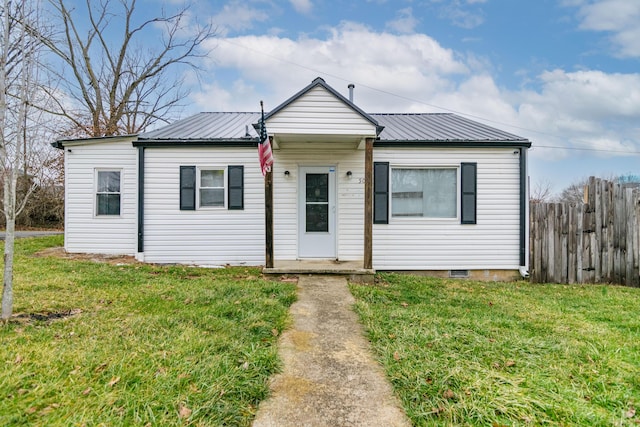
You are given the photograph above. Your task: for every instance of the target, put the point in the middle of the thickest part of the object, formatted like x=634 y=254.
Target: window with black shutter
x=205 y=187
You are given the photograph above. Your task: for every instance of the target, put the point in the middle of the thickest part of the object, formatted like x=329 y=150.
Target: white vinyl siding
x=442 y=244
x=85 y=230
x=319 y=112
x=350 y=199
x=205 y=236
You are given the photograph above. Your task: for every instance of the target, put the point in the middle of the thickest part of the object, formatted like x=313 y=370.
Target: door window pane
x=317 y=187
x=317 y=217
x=317 y=202
x=430 y=193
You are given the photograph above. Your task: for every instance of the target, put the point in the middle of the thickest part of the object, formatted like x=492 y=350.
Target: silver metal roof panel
x=424 y=127
x=204 y=126
x=438 y=127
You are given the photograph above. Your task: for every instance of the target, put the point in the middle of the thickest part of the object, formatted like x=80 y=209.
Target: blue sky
x=563 y=73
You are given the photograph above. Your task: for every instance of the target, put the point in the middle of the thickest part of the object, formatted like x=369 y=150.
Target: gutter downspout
x=140 y=254
x=523 y=269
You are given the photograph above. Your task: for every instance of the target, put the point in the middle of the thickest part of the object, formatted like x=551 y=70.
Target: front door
x=317 y=212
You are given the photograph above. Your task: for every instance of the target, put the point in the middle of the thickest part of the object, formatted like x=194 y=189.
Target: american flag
x=264 y=146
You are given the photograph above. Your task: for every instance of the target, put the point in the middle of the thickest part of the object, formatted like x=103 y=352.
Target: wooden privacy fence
x=594 y=242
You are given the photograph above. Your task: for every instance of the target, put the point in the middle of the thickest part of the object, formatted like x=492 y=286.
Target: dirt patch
x=45 y=317
x=59 y=252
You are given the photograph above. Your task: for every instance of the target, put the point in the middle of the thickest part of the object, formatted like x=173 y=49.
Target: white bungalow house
x=414 y=192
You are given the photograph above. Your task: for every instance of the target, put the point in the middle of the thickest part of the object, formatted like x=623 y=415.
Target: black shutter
x=468 y=172
x=381 y=192
x=187 y=188
x=236 y=187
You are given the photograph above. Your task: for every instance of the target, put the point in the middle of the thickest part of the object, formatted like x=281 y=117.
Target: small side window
x=108 y=192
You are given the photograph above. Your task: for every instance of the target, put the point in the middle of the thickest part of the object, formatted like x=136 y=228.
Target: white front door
x=317 y=212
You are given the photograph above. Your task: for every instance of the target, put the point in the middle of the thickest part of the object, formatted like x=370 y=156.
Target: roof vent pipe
x=351 y=86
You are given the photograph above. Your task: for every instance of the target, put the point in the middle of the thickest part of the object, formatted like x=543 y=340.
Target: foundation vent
x=459 y=274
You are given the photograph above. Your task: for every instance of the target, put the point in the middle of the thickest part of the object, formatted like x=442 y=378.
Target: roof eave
x=60 y=143
x=463 y=143
x=201 y=142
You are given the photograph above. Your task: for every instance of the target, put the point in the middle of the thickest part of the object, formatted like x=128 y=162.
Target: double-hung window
x=424 y=192
x=211 y=188
x=208 y=187
x=108 y=192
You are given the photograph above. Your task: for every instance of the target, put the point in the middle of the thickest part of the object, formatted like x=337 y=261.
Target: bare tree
x=19 y=90
x=574 y=192
x=541 y=192
x=115 y=84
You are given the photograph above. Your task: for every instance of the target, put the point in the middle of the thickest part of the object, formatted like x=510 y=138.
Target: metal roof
x=208 y=126
x=422 y=127
x=438 y=127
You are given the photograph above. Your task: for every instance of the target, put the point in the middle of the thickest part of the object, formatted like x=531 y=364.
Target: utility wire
x=286 y=61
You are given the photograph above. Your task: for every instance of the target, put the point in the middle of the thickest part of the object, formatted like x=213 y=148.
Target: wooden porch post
x=268 y=217
x=368 y=204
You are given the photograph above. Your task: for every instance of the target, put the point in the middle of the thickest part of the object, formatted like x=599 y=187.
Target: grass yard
x=100 y=344
x=506 y=354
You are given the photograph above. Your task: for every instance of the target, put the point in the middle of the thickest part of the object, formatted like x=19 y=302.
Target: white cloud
x=414 y=73
x=405 y=22
x=584 y=109
x=462 y=15
x=238 y=16
x=403 y=64
x=620 y=18
x=594 y=94
x=302 y=6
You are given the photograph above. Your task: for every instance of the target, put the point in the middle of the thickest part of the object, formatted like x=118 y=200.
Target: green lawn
x=143 y=344
x=494 y=354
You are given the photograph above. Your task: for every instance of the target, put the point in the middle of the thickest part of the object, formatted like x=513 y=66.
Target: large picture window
x=424 y=192
x=108 y=192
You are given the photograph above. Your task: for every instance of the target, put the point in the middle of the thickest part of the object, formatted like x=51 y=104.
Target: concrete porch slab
x=352 y=269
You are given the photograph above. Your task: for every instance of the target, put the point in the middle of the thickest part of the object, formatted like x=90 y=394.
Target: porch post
x=368 y=204
x=268 y=216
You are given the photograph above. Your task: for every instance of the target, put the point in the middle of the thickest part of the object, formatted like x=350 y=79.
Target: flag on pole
x=264 y=146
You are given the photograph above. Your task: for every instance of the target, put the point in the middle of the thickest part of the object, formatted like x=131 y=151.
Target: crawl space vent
x=459 y=274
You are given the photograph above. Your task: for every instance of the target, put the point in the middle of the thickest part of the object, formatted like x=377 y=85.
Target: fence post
x=579 y=242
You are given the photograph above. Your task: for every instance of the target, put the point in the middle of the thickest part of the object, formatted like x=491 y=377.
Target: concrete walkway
x=329 y=376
